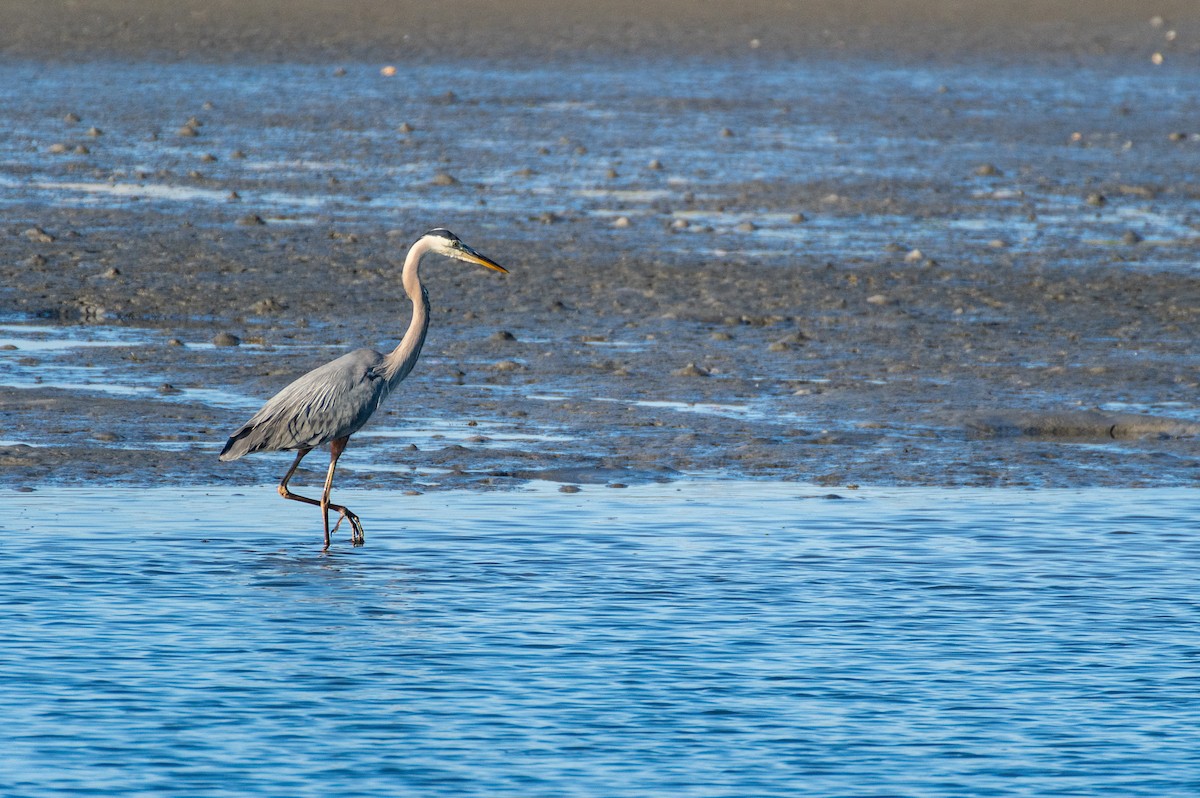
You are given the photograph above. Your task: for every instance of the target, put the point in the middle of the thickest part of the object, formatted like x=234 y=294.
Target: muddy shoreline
x=1001 y=298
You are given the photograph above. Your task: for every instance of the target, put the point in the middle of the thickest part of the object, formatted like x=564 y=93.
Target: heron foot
x=357 y=538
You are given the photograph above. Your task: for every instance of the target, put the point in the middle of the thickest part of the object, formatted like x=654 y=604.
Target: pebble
x=611 y=174
x=747 y=227
x=38 y=235
x=621 y=221
x=95 y=131
x=444 y=179
x=81 y=149
x=691 y=370
x=167 y=389
x=617 y=485
x=797 y=218
x=987 y=170
x=914 y=256
x=250 y=219
x=508 y=365
x=268 y=305
x=406 y=128
x=112 y=273
x=188 y=131
x=1177 y=136
x=226 y=339
x=655 y=165
x=174 y=342
x=1131 y=237
x=107 y=437
x=339 y=72
x=208 y=157
x=569 y=489
x=71 y=119
x=1096 y=198
x=237 y=155
x=57 y=149
x=502 y=335
x=878 y=299
x=388 y=71
x=726 y=133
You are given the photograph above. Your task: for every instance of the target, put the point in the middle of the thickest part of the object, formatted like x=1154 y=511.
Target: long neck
x=400 y=362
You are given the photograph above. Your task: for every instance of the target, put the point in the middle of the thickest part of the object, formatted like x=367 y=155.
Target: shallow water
x=699 y=638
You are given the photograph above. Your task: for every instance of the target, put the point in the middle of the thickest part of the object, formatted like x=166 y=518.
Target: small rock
x=406 y=128
x=81 y=149
x=187 y=131
x=987 y=170
x=71 y=119
x=680 y=224
x=611 y=174
x=797 y=218
x=747 y=227
x=38 y=235
x=1177 y=136
x=34 y=262
x=878 y=299
x=167 y=389
x=655 y=165
x=388 y=71
x=95 y=131
x=268 y=305
x=208 y=157
x=508 y=365
x=112 y=273
x=569 y=489
x=174 y=342
x=250 y=219
x=617 y=485
x=914 y=256
x=226 y=339
x=1131 y=237
x=233 y=196
x=691 y=370
x=502 y=335
x=339 y=72
x=726 y=133
x=1096 y=198
x=57 y=149
x=444 y=179
x=106 y=437
x=237 y=155
x=621 y=221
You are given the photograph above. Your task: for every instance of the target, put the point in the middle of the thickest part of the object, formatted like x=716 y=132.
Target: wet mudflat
x=831 y=270
x=697 y=638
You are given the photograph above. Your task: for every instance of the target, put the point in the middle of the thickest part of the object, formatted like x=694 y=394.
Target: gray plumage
x=332 y=402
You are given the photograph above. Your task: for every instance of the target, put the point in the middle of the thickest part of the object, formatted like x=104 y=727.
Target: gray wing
x=329 y=402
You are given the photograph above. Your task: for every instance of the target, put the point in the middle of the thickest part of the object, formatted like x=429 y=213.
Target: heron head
x=443 y=242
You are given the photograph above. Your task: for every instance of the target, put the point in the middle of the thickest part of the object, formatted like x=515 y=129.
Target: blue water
x=701 y=638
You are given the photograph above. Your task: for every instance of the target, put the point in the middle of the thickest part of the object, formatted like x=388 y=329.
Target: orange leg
x=336 y=449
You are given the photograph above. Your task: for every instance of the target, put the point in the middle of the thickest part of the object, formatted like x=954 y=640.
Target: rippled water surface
x=696 y=638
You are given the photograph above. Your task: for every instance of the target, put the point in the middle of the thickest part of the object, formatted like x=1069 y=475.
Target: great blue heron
x=334 y=401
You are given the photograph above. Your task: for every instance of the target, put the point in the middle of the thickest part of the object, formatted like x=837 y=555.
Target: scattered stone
x=444 y=179
x=167 y=389
x=187 y=131
x=655 y=165
x=38 y=235
x=508 y=365
x=1177 y=136
x=95 y=131
x=388 y=71
x=57 y=149
x=339 y=72
x=34 y=261
x=747 y=227
x=208 y=157
x=611 y=174
x=550 y=217
x=233 y=196
x=106 y=437
x=691 y=370
x=174 y=342
x=1096 y=198
x=71 y=119
x=569 y=489
x=502 y=335
x=81 y=149
x=878 y=299
x=726 y=133
x=250 y=219
x=617 y=485
x=1131 y=238
x=237 y=155
x=797 y=218
x=621 y=221
x=406 y=128
x=913 y=256
x=987 y=170
x=721 y=336
x=226 y=339
x=112 y=273
x=269 y=305
x=680 y=224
